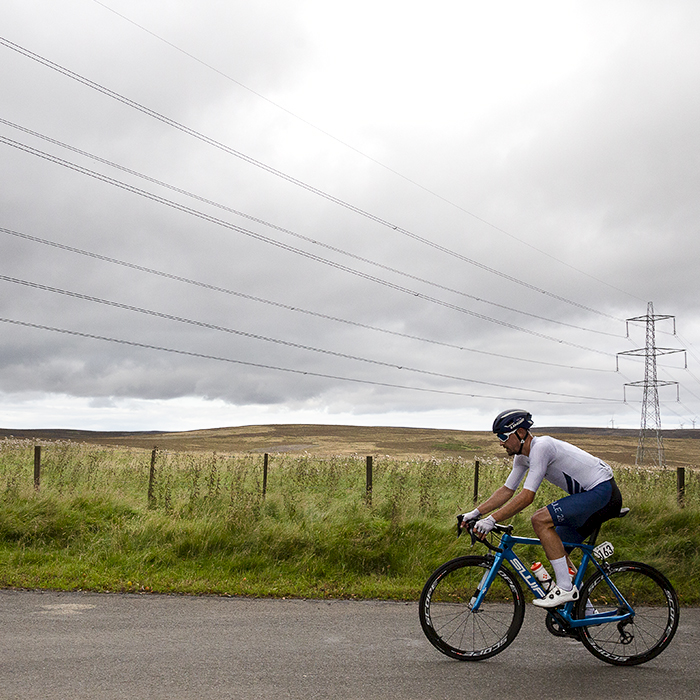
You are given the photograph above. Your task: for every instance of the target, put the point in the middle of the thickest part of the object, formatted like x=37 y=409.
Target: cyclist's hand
x=471 y=516
x=483 y=527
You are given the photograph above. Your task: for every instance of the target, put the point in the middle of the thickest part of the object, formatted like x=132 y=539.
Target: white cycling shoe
x=556 y=597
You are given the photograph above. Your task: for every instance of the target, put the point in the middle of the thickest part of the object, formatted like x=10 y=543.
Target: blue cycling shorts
x=577 y=516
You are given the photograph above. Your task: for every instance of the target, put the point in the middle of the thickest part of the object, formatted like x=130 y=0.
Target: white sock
x=561 y=573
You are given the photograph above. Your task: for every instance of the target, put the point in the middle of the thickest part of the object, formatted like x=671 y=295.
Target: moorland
x=681 y=447
x=206 y=513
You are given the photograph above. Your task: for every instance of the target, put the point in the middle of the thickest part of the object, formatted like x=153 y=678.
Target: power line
x=310 y=188
x=669 y=372
x=270 y=367
x=295 y=234
x=211 y=287
x=278 y=341
x=694 y=377
x=689 y=346
x=284 y=246
x=364 y=155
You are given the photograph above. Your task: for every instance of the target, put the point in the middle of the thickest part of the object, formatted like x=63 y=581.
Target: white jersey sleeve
x=520 y=467
x=562 y=464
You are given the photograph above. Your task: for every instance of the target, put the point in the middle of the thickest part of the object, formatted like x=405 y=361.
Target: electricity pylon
x=651 y=414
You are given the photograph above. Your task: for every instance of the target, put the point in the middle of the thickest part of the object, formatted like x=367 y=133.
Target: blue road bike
x=472 y=607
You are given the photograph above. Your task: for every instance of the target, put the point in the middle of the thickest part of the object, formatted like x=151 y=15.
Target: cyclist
x=593 y=495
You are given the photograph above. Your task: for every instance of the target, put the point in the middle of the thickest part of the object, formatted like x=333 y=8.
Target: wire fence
x=168 y=479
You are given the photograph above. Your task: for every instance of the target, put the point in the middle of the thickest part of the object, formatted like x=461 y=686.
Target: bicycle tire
x=653 y=625
x=448 y=621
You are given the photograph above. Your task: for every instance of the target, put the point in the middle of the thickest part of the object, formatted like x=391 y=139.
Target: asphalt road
x=79 y=645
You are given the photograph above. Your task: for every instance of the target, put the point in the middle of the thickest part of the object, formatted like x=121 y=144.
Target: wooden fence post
x=476 y=481
x=265 y=462
x=680 y=485
x=368 y=481
x=37 y=467
x=152 y=478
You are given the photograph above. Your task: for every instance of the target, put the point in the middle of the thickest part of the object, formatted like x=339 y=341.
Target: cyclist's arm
x=496 y=500
x=514 y=506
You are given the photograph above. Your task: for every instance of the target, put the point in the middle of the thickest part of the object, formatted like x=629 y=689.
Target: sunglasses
x=504 y=436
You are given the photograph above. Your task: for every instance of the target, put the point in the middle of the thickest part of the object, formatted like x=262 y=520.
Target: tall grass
x=208 y=528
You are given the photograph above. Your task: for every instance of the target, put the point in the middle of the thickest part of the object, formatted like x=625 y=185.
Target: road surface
x=70 y=646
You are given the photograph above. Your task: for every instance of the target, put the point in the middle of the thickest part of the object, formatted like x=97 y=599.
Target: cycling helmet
x=509 y=421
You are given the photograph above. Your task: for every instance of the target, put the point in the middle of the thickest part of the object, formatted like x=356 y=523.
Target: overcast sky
x=221 y=213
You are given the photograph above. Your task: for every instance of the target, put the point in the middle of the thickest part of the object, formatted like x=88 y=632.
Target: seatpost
x=594 y=536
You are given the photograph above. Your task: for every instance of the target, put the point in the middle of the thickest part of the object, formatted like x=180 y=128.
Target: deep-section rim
x=511 y=628
x=666 y=631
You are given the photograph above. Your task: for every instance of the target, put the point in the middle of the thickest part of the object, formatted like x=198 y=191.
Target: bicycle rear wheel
x=648 y=631
x=453 y=627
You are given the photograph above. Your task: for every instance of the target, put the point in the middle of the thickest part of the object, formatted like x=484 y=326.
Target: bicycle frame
x=505 y=553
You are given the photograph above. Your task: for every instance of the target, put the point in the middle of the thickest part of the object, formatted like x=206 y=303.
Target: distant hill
x=682 y=447
x=673 y=433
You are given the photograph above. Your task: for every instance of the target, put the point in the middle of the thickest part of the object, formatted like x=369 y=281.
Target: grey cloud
x=597 y=172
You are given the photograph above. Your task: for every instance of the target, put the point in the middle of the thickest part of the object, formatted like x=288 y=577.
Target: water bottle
x=542 y=575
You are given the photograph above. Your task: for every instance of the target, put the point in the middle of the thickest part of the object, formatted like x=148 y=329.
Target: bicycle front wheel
x=448 y=620
x=648 y=631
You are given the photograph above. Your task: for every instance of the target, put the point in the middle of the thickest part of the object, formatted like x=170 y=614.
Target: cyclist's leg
x=578 y=533
x=569 y=534
x=564 y=591
x=563 y=520
x=610 y=510
x=546 y=531
x=576 y=516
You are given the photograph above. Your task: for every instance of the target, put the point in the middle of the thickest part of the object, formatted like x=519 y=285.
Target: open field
x=682 y=447
x=205 y=524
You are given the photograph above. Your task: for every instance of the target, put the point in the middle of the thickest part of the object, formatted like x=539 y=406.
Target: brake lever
x=475 y=539
x=469 y=527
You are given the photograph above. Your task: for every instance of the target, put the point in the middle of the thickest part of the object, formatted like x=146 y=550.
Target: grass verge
x=209 y=530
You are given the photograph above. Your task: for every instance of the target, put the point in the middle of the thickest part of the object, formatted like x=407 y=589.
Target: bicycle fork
x=478 y=596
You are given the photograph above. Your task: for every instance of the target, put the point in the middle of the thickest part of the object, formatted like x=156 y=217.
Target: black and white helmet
x=509 y=421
